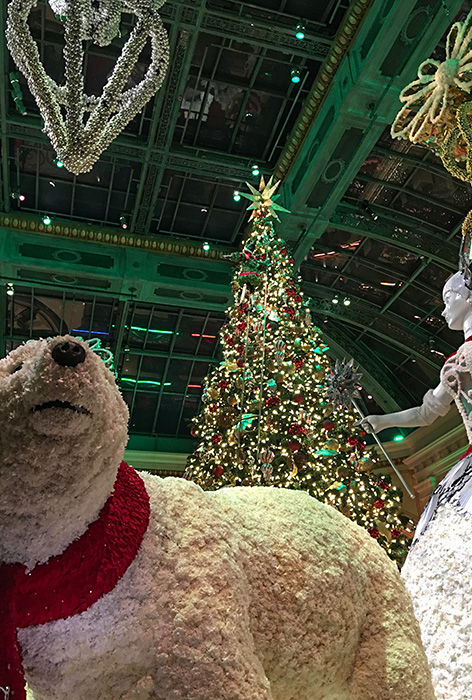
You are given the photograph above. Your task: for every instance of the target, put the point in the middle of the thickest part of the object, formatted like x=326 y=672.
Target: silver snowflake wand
x=341 y=389
x=341 y=383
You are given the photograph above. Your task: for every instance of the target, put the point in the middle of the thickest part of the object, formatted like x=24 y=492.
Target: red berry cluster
x=352 y=440
x=381 y=483
x=296 y=429
x=379 y=503
x=373 y=532
x=289 y=310
x=216 y=439
x=396 y=533
x=272 y=401
x=243 y=307
x=299 y=362
x=213 y=408
x=241 y=326
x=230 y=342
x=223 y=384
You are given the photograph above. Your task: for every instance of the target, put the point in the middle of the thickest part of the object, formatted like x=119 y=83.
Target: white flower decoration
x=431 y=101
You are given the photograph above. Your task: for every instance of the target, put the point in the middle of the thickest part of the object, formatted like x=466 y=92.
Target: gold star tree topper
x=264 y=199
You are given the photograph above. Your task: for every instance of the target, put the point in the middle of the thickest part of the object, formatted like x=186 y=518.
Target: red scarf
x=71 y=582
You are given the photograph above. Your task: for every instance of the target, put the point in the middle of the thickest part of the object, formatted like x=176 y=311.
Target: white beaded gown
x=438 y=570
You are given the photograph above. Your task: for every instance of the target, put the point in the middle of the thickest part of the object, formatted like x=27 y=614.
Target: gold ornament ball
x=232 y=400
x=332 y=444
x=279 y=377
x=328 y=409
x=213 y=392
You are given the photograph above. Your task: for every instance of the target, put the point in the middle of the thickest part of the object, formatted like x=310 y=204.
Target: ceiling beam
x=258 y=26
x=398 y=230
x=351 y=105
x=388 y=327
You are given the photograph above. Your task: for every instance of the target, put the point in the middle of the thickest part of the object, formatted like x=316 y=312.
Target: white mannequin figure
x=458 y=315
x=438 y=570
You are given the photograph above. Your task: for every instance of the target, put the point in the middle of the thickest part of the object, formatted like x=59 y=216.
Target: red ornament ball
x=218 y=470
x=299 y=398
x=396 y=533
x=294 y=445
x=328 y=425
x=216 y=438
x=373 y=532
x=379 y=503
x=193 y=432
x=240 y=362
x=352 y=440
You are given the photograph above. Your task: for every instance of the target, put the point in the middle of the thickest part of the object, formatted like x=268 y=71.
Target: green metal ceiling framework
x=352 y=100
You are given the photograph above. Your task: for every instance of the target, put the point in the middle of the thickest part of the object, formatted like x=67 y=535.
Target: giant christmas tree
x=266 y=418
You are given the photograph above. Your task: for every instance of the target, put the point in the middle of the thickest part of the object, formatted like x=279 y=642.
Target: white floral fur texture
x=437 y=574
x=242 y=594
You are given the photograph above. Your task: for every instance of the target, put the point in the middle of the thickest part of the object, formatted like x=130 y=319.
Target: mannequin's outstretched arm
x=436 y=402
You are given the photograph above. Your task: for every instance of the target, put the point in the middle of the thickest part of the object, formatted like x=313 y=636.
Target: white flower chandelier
x=437 y=106
x=77 y=139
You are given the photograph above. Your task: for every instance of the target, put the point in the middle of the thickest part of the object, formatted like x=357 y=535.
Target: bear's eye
x=18 y=367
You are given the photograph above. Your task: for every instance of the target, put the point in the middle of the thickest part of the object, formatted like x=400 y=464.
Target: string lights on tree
x=79 y=139
x=266 y=417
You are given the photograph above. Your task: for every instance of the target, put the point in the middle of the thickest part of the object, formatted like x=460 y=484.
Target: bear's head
x=63 y=430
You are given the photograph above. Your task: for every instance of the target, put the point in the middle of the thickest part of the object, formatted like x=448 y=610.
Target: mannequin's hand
x=372 y=424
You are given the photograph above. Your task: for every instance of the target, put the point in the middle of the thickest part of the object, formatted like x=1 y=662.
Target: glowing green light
x=46 y=220
x=149 y=382
x=151 y=330
x=295 y=75
x=255 y=170
x=300 y=32
x=58 y=163
x=206 y=246
x=399 y=438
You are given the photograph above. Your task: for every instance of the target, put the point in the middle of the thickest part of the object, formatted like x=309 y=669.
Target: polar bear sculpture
x=241 y=594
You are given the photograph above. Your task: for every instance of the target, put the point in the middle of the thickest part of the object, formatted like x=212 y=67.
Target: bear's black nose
x=68 y=354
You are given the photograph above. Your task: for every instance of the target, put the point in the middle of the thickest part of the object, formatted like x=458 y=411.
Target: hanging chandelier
x=81 y=126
